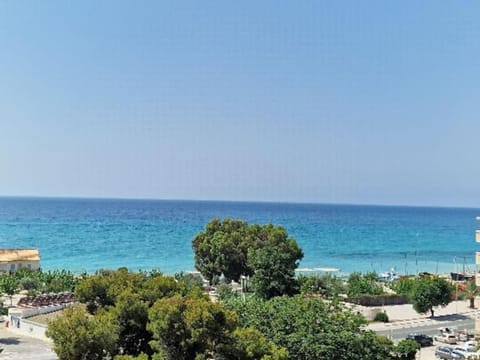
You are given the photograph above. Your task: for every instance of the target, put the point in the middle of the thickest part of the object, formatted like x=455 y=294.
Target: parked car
x=464 y=336
x=471 y=345
x=448 y=353
x=467 y=354
x=422 y=339
x=446 y=338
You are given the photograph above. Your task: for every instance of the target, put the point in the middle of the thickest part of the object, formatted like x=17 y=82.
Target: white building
x=14 y=259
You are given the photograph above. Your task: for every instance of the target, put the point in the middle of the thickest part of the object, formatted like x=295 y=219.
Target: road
x=16 y=346
x=430 y=329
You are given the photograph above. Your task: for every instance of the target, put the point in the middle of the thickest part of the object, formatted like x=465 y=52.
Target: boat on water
x=388 y=276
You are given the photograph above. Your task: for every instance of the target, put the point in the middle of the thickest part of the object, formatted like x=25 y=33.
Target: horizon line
x=79 y=197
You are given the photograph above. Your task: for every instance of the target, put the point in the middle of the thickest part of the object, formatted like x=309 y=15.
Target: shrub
x=324 y=285
x=363 y=284
x=406 y=349
x=381 y=317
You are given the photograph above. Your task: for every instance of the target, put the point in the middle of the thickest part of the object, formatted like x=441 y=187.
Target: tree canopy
x=310 y=328
x=429 y=293
x=151 y=316
x=77 y=336
x=233 y=248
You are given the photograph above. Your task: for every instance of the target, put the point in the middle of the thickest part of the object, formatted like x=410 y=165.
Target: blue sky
x=343 y=101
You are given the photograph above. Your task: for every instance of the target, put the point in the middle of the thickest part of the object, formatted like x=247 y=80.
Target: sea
x=84 y=235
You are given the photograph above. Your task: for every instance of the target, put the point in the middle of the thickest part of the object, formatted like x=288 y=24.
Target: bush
x=381 y=317
x=29 y=283
x=363 y=284
x=324 y=285
x=406 y=349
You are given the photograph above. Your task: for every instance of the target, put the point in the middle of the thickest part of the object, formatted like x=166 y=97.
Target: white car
x=471 y=345
x=446 y=338
x=466 y=353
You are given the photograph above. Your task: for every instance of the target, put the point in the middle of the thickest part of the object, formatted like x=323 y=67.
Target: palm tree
x=471 y=291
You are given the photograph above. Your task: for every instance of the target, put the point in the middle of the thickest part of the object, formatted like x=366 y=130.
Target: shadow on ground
x=10 y=341
x=450 y=317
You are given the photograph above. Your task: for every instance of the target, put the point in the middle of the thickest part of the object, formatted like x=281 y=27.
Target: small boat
x=388 y=276
x=462 y=276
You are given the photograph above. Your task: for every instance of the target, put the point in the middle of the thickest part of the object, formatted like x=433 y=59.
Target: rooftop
x=8 y=255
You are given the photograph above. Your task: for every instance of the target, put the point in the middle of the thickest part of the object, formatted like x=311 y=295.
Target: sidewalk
x=406 y=316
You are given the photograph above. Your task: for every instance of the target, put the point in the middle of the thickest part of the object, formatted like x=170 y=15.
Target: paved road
x=429 y=329
x=21 y=347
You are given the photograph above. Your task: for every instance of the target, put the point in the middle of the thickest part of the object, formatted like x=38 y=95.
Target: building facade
x=12 y=260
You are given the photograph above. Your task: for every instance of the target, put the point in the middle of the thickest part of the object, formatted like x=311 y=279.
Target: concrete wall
x=15 y=265
x=26 y=327
x=18 y=320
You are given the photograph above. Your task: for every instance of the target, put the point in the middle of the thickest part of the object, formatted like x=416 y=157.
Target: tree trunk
x=431 y=312
x=472 y=303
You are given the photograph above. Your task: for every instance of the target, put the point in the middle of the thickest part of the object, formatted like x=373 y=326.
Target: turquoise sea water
x=87 y=234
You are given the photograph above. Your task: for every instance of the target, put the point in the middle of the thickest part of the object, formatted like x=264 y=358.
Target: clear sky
x=371 y=102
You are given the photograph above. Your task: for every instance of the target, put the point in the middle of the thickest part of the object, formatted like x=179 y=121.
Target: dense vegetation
x=152 y=316
x=310 y=328
x=232 y=248
x=37 y=282
x=425 y=293
x=127 y=315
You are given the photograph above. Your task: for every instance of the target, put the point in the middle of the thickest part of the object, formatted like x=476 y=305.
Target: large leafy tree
x=249 y=344
x=102 y=289
x=429 y=293
x=311 y=329
x=8 y=285
x=126 y=298
x=186 y=328
x=131 y=315
x=406 y=349
x=275 y=265
x=77 y=336
x=222 y=249
x=234 y=248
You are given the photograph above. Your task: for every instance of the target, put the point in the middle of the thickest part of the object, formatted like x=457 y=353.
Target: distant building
x=13 y=259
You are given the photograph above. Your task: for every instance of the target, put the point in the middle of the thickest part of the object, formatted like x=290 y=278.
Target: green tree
x=234 y=248
x=103 y=288
x=8 y=285
x=366 y=284
x=275 y=267
x=222 y=249
x=325 y=285
x=249 y=344
x=406 y=349
x=131 y=314
x=470 y=292
x=310 y=328
x=429 y=293
x=79 y=336
x=405 y=286
x=186 y=329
